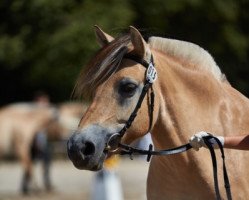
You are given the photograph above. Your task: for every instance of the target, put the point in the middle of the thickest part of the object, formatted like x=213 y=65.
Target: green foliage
x=44 y=43
x=219 y=26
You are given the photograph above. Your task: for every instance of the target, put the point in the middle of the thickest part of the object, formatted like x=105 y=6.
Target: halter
x=115 y=139
x=150 y=77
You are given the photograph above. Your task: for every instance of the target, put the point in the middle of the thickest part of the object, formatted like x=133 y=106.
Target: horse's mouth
x=90 y=163
x=85 y=157
x=93 y=164
x=88 y=148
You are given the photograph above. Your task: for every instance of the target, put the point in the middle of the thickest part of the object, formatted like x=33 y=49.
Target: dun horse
x=191 y=94
x=19 y=125
x=20 y=128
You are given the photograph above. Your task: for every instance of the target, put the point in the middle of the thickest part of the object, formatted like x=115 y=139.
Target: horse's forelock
x=101 y=66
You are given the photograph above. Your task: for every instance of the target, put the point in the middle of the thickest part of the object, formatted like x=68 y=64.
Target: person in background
x=42 y=99
x=239 y=142
x=41 y=148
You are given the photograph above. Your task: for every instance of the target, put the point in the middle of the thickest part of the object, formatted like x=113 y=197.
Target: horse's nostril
x=89 y=149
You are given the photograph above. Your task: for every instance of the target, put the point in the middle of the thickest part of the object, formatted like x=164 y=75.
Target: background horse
x=28 y=130
x=191 y=94
x=19 y=126
x=70 y=114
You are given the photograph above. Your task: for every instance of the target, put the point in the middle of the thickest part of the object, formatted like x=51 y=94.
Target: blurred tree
x=44 y=43
x=219 y=26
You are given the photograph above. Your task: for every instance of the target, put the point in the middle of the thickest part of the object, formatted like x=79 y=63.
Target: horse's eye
x=127 y=89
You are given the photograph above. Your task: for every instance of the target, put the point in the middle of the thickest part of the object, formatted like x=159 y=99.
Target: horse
x=25 y=129
x=191 y=94
x=70 y=114
x=31 y=130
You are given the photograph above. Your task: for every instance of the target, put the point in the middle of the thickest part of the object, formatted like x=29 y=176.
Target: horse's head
x=116 y=82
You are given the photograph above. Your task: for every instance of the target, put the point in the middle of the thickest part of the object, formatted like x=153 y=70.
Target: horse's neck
x=188 y=101
x=191 y=101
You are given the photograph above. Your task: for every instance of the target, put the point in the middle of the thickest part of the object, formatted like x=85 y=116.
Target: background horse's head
x=115 y=84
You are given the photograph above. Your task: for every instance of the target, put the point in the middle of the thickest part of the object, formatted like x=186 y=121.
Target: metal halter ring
x=112 y=144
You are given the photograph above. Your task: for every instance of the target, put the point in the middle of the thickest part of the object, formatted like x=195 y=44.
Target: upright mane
x=188 y=51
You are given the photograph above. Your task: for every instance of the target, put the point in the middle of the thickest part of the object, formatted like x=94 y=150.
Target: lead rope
x=225 y=175
x=129 y=150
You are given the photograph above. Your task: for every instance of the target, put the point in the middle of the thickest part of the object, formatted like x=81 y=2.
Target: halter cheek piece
x=151 y=76
x=114 y=141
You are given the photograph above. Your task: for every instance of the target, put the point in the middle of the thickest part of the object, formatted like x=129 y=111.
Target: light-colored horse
x=21 y=124
x=70 y=114
x=191 y=94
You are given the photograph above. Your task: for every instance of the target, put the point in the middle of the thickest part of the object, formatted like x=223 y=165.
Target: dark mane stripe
x=101 y=66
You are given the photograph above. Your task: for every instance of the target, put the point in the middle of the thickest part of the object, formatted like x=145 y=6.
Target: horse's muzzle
x=86 y=148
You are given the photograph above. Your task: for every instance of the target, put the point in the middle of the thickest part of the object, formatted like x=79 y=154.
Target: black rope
x=129 y=150
x=225 y=175
x=214 y=162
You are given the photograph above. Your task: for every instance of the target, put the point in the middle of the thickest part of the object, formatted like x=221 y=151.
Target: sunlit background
x=43 y=46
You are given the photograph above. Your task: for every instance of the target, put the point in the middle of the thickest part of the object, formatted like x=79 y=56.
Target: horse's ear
x=102 y=37
x=140 y=46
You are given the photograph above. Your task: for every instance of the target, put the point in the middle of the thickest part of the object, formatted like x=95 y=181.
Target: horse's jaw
x=86 y=147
